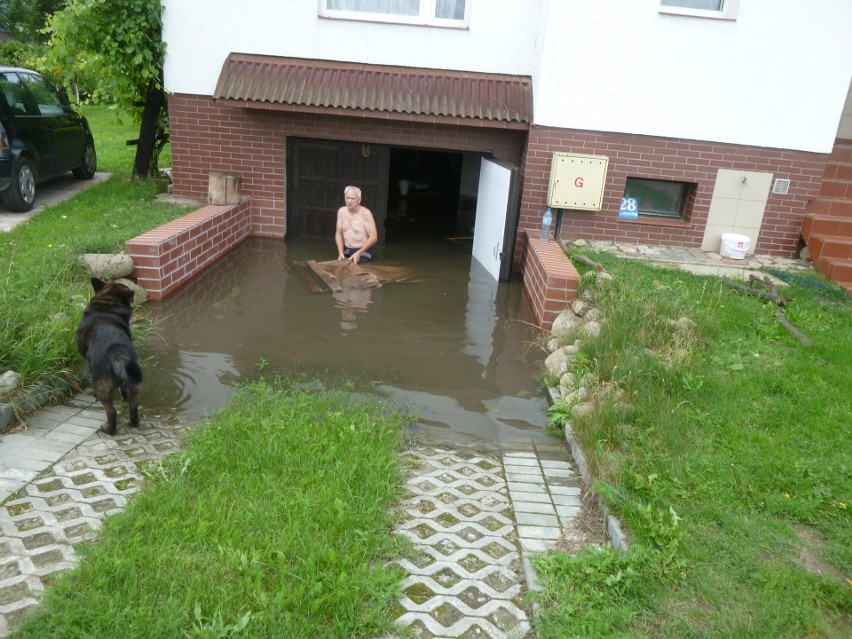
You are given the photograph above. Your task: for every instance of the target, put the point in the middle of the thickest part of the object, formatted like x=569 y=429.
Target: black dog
x=103 y=338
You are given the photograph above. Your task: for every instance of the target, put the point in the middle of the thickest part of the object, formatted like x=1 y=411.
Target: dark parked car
x=41 y=137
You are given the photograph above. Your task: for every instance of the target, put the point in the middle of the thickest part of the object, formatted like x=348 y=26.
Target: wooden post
x=224 y=188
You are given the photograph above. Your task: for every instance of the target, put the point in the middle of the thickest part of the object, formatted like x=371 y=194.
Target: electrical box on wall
x=577 y=181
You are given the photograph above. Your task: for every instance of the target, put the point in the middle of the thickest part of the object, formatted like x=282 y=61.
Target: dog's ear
x=97 y=284
x=126 y=294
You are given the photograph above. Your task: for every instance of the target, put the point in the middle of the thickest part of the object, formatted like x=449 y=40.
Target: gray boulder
x=108 y=266
x=9 y=381
x=565 y=323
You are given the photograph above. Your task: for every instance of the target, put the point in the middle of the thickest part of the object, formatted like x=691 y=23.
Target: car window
x=46 y=97
x=17 y=98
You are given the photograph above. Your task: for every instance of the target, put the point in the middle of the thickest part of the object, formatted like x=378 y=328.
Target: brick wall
x=168 y=256
x=209 y=136
x=668 y=159
x=550 y=279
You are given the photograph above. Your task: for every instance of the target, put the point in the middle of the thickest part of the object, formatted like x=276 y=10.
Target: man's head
x=352 y=196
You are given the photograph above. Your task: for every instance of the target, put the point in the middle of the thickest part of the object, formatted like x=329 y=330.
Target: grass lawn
x=275 y=521
x=728 y=458
x=43 y=287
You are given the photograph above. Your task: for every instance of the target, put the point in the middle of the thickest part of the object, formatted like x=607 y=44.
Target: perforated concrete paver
x=474 y=518
x=52 y=505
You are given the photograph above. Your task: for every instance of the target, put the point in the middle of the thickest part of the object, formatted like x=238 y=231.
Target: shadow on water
x=452 y=346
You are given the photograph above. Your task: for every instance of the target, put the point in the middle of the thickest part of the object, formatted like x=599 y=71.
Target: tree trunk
x=148 y=131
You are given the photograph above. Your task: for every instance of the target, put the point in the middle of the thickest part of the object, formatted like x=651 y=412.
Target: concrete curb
x=614 y=527
x=30 y=399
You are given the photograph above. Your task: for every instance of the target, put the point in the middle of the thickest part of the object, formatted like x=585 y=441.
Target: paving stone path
x=60 y=477
x=474 y=517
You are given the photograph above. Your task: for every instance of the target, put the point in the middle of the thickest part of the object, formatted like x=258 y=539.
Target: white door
x=496 y=212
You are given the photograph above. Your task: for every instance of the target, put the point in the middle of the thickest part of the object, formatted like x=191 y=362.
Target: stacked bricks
x=550 y=279
x=168 y=256
x=827 y=227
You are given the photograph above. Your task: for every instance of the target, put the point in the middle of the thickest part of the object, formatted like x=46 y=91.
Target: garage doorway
x=415 y=195
x=317 y=173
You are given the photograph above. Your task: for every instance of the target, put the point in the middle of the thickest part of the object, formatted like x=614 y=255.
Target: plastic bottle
x=546 y=221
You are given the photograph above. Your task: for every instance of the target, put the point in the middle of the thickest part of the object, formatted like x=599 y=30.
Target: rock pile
x=580 y=322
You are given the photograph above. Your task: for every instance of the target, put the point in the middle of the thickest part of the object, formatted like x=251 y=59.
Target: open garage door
x=496 y=217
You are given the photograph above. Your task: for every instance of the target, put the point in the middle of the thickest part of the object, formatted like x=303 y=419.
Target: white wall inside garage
x=776 y=77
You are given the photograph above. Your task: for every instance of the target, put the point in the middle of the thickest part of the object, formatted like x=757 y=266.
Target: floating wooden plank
x=392 y=273
x=311 y=279
x=342 y=275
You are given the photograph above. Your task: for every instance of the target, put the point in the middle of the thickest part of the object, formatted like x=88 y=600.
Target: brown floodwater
x=452 y=347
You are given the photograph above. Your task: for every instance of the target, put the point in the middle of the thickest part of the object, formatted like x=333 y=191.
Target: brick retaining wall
x=550 y=279
x=168 y=256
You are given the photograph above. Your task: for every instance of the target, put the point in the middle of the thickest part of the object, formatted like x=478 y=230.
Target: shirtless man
x=356 y=229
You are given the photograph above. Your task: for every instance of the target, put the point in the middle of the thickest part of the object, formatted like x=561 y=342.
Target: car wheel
x=20 y=195
x=88 y=163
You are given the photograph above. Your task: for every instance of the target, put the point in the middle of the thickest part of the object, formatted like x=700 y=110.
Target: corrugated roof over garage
x=482 y=98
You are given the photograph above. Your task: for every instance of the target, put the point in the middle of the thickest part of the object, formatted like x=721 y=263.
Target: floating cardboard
x=342 y=275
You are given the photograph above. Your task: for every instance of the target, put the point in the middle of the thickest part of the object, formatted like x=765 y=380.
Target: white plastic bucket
x=734 y=245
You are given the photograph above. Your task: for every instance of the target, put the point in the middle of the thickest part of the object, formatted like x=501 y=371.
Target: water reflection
x=448 y=342
x=352 y=302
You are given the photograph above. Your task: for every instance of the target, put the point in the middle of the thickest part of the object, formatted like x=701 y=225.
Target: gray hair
x=355 y=191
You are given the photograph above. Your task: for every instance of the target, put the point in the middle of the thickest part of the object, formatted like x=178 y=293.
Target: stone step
x=839 y=270
x=829 y=206
x=823 y=246
x=824 y=224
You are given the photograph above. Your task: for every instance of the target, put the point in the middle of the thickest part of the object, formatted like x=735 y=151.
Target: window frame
x=425 y=19
x=40 y=87
x=729 y=11
x=686 y=196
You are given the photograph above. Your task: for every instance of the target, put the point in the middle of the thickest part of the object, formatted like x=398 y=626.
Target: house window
x=720 y=9
x=658 y=198
x=438 y=13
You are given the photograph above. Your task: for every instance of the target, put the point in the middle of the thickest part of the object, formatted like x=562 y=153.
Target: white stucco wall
x=845 y=129
x=199 y=35
x=777 y=76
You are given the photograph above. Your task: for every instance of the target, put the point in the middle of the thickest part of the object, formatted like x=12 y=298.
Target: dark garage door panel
x=318 y=173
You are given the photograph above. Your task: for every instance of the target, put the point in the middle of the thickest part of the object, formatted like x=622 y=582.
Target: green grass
x=43 y=287
x=729 y=457
x=111 y=129
x=274 y=522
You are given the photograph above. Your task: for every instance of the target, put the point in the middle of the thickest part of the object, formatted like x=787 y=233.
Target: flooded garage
x=441 y=338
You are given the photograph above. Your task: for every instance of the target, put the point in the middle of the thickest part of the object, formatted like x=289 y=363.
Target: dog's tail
x=128 y=371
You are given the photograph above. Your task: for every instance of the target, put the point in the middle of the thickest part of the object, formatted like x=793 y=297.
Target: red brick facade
x=550 y=279
x=168 y=256
x=207 y=136
x=251 y=142
x=666 y=159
